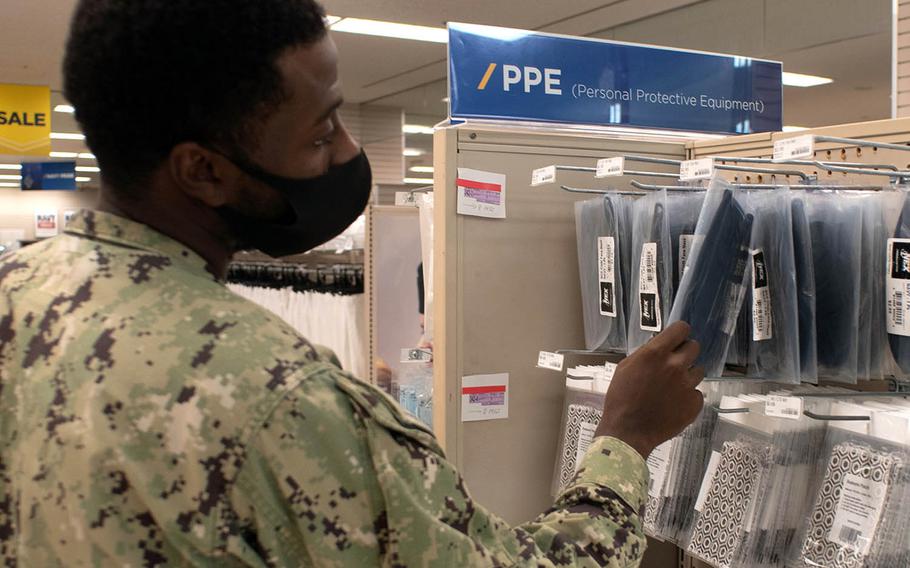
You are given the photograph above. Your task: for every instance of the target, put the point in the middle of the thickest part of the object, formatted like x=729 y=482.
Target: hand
x=652 y=397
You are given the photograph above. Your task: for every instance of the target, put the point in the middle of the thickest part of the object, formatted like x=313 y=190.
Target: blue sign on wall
x=504 y=74
x=49 y=175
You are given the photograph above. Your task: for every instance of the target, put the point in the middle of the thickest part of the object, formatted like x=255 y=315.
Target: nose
x=344 y=147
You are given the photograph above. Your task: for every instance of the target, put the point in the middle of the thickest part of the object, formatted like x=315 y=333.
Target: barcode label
x=649 y=289
x=552 y=361
x=898 y=285
x=858 y=511
x=794 y=148
x=610 y=167
x=784 y=407
x=658 y=466
x=542 y=176
x=691 y=170
x=762 y=323
x=606 y=273
x=405 y=199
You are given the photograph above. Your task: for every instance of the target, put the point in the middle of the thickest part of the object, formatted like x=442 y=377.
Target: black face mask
x=321 y=208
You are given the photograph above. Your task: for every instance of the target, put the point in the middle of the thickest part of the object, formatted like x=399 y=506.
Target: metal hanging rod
x=599 y=191
x=832 y=418
x=625 y=172
x=586 y=352
x=898 y=175
x=424 y=189
x=651 y=187
x=731 y=410
x=737 y=159
x=851 y=394
x=669 y=162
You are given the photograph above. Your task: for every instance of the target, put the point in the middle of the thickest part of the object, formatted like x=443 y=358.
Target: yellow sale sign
x=25 y=120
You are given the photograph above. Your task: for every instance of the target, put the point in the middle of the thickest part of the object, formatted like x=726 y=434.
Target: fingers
x=671 y=338
x=688 y=352
x=694 y=377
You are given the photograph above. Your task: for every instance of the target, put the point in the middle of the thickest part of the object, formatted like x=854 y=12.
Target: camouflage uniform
x=151 y=417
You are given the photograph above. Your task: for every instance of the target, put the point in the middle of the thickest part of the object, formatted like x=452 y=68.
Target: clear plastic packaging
x=730 y=491
x=712 y=288
x=586 y=389
x=603 y=238
x=835 y=226
x=425 y=207
x=652 y=284
x=805 y=286
x=684 y=208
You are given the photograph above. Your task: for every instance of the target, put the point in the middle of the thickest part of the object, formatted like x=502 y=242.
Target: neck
x=194 y=225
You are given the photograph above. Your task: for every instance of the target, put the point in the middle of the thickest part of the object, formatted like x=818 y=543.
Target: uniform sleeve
x=352 y=481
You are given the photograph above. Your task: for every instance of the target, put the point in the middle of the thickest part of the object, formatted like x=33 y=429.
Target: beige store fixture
x=507 y=289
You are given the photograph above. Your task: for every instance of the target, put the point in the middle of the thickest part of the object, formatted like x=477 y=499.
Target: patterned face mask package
x=689 y=457
x=604 y=247
x=586 y=388
x=652 y=265
x=857 y=503
x=740 y=460
x=712 y=289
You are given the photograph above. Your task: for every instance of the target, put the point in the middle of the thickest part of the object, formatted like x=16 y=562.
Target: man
x=150 y=417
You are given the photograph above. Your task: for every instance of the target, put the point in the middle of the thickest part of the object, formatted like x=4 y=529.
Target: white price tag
x=762 y=321
x=585 y=438
x=649 y=289
x=691 y=170
x=610 y=167
x=784 y=407
x=553 y=361
x=794 y=148
x=606 y=274
x=898 y=287
x=405 y=199
x=610 y=370
x=543 y=176
x=858 y=512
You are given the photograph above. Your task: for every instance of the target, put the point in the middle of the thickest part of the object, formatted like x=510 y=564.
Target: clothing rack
x=337 y=279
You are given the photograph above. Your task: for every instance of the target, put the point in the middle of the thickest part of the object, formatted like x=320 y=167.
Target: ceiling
x=846 y=40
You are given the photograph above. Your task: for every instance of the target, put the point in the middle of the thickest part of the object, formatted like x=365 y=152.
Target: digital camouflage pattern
x=151 y=417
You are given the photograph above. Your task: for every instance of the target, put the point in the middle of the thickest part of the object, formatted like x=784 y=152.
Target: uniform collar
x=102 y=226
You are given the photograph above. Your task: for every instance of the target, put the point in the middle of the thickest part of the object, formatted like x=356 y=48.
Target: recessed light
x=800 y=80
x=67 y=136
x=83 y=179
x=66 y=109
x=64 y=154
x=412 y=152
x=88 y=169
x=10 y=166
x=87 y=156
x=423 y=169
x=418 y=181
x=7 y=184
x=391 y=29
x=331 y=20
x=10 y=177
x=794 y=128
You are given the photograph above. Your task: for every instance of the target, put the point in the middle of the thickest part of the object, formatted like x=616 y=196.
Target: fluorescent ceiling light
x=67 y=136
x=417 y=129
x=10 y=166
x=418 y=181
x=504 y=34
x=412 y=152
x=391 y=29
x=87 y=156
x=83 y=179
x=9 y=176
x=7 y=184
x=800 y=80
x=331 y=20
x=446 y=100
x=794 y=128
x=67 y=109
x=423 y=169
x=88 y=169
x=64 y=154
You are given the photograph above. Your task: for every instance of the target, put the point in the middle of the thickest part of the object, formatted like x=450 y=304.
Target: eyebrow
x=325 y=116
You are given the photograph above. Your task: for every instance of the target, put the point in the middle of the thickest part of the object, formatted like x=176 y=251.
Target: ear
x=203 y=175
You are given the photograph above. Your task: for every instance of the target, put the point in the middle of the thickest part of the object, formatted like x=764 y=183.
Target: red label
x=471 y=184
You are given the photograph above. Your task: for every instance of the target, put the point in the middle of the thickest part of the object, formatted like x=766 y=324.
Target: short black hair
x=146 y=75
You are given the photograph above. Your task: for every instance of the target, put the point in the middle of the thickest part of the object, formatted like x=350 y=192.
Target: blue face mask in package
x=805 y=285
x=603 y=264
x=711 y=292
